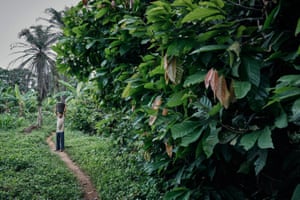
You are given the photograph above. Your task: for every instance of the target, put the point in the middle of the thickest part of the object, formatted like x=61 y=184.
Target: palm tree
x=55 y=20
x=38 y=57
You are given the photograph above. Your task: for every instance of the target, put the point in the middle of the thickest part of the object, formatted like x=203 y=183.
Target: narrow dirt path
x=89 y=190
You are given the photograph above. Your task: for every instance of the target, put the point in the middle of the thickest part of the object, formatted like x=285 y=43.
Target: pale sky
x=16 y=15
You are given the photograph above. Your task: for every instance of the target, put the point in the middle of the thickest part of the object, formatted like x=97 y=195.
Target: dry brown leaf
x=208 y=77
x=166 y=68
x=219 y=87
x=169 y=149
x=173 y=71
x=157 y=103
x=113 y=3
x=152 y=119
x=222 y=92
x=214 y=82
x=84 y=2
x=165 y=112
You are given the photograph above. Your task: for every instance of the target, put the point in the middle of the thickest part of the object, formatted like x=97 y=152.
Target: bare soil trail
x=89 y=190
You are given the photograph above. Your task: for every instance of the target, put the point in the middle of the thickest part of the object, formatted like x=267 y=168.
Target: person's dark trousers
x=60 y=141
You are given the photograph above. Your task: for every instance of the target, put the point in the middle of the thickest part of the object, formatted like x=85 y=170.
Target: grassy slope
x=116 y=175
x=28 y=170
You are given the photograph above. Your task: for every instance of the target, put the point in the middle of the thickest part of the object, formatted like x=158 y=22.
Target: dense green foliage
x=213 y=86
x=21 y=77
x=14 y=101
x=29 y=171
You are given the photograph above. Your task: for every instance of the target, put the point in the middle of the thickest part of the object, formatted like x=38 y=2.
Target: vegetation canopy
x=212 y=86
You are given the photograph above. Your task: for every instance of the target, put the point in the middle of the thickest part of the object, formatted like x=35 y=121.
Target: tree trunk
x=40 y=117
x=21 y=109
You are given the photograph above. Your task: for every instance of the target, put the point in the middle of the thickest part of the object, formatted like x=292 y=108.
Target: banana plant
x=20 y=99
x=7 y=100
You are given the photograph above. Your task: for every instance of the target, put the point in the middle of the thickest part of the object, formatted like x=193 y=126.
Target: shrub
x=10 y=121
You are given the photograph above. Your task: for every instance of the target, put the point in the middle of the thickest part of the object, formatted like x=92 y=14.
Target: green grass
x=116 y=174
x=28 y=170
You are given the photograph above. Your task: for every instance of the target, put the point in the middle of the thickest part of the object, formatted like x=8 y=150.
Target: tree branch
x=242 y=6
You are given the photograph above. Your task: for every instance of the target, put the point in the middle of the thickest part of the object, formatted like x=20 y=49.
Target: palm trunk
x=40 y=116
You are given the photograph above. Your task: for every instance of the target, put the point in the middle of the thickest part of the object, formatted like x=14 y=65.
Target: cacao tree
x=213 y=86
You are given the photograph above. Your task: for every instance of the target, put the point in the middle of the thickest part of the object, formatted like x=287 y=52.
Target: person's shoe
x=61 y=150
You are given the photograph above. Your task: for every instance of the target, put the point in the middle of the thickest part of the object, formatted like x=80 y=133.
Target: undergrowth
x=28 y=170
x=116 y=174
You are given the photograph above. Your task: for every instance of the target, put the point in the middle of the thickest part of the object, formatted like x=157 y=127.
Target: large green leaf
x=281 y=121
x=245 y=168
x=194 y=79
x=208 y=48
x=219 y=3
x=249 y=140
x=185 y=3
x=261 y=160
x=178 y=193
x=297 y=31
x=296 y=193
x=215 y=109
x=289 y=80
x=101 y=13
x=295 y=117
x=265 y=139
x=227 y=136
x=176 y=99
x=69 y=86
x=211 y=140
x=192 y=137
x=203 y=37
x=179 y=47
x=160 y=11
x=271 y=17
x=183 y=129
x=174 y=49
x=285 y=93
x=251 y=69
x=159 y=70
x=202 y=13
x=241 y=88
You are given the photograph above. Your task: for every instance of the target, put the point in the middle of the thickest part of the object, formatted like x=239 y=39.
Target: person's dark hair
x=60 y=114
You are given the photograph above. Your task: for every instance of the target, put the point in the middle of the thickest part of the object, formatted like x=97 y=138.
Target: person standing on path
x=60 y=134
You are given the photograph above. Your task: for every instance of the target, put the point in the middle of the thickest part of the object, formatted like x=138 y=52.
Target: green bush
x=226 y=72
x=10 y=121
